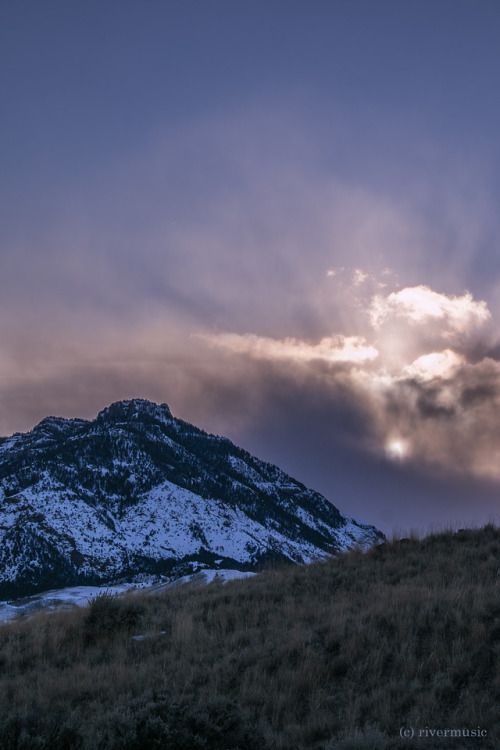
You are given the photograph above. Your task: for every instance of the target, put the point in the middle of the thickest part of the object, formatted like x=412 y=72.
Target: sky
x=280 y=218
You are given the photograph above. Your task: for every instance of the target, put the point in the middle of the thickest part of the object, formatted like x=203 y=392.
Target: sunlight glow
x=434 y=365
x=397 y=449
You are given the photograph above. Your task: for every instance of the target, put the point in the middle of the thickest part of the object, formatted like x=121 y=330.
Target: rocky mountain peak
x=135 y=409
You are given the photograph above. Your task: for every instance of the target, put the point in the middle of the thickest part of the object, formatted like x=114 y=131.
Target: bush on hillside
x=158 y=723
x=108 y=614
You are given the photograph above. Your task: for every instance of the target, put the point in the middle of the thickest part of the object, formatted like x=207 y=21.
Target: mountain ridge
x=137 y=491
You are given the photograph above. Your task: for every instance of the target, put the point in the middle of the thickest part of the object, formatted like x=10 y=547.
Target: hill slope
x=137 y=491
x=337 y=655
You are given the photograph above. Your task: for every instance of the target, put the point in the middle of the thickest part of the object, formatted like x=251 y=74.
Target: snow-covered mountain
x=137 y=491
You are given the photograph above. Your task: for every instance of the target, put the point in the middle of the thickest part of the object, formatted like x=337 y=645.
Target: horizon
x=282 y=223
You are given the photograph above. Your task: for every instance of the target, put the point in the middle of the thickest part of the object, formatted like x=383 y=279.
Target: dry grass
x=332 y=656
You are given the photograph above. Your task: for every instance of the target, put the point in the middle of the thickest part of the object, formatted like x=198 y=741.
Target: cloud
x=333 y=349
x=420 y=304
x=451 y=423
x=359 y=276
x=436 y=408
x=434 y=365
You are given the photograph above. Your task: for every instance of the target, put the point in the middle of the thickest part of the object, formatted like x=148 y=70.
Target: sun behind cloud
x=397 y=448
x=427 y=401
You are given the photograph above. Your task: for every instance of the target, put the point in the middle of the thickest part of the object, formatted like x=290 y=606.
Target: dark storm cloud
x=479 y=394
x=429 y=408
x=419 y=399
x=493 y=352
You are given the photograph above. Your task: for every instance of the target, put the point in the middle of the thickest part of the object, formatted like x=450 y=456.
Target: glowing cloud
x=333 y=349
x=419 y=304
x=435 y=365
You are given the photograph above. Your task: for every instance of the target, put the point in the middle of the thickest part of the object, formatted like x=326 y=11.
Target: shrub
x=368 y=739
x=108 y=614
x=158 y=723
x=34 y=732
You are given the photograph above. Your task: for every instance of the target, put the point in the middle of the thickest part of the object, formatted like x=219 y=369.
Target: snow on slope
x=80 y=596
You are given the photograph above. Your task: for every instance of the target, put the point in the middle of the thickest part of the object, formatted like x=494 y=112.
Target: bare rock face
x=137 y=491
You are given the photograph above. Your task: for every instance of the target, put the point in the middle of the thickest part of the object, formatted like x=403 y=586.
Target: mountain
x=139 y=492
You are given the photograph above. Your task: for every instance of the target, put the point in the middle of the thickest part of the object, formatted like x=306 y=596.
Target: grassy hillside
x=337 y=655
